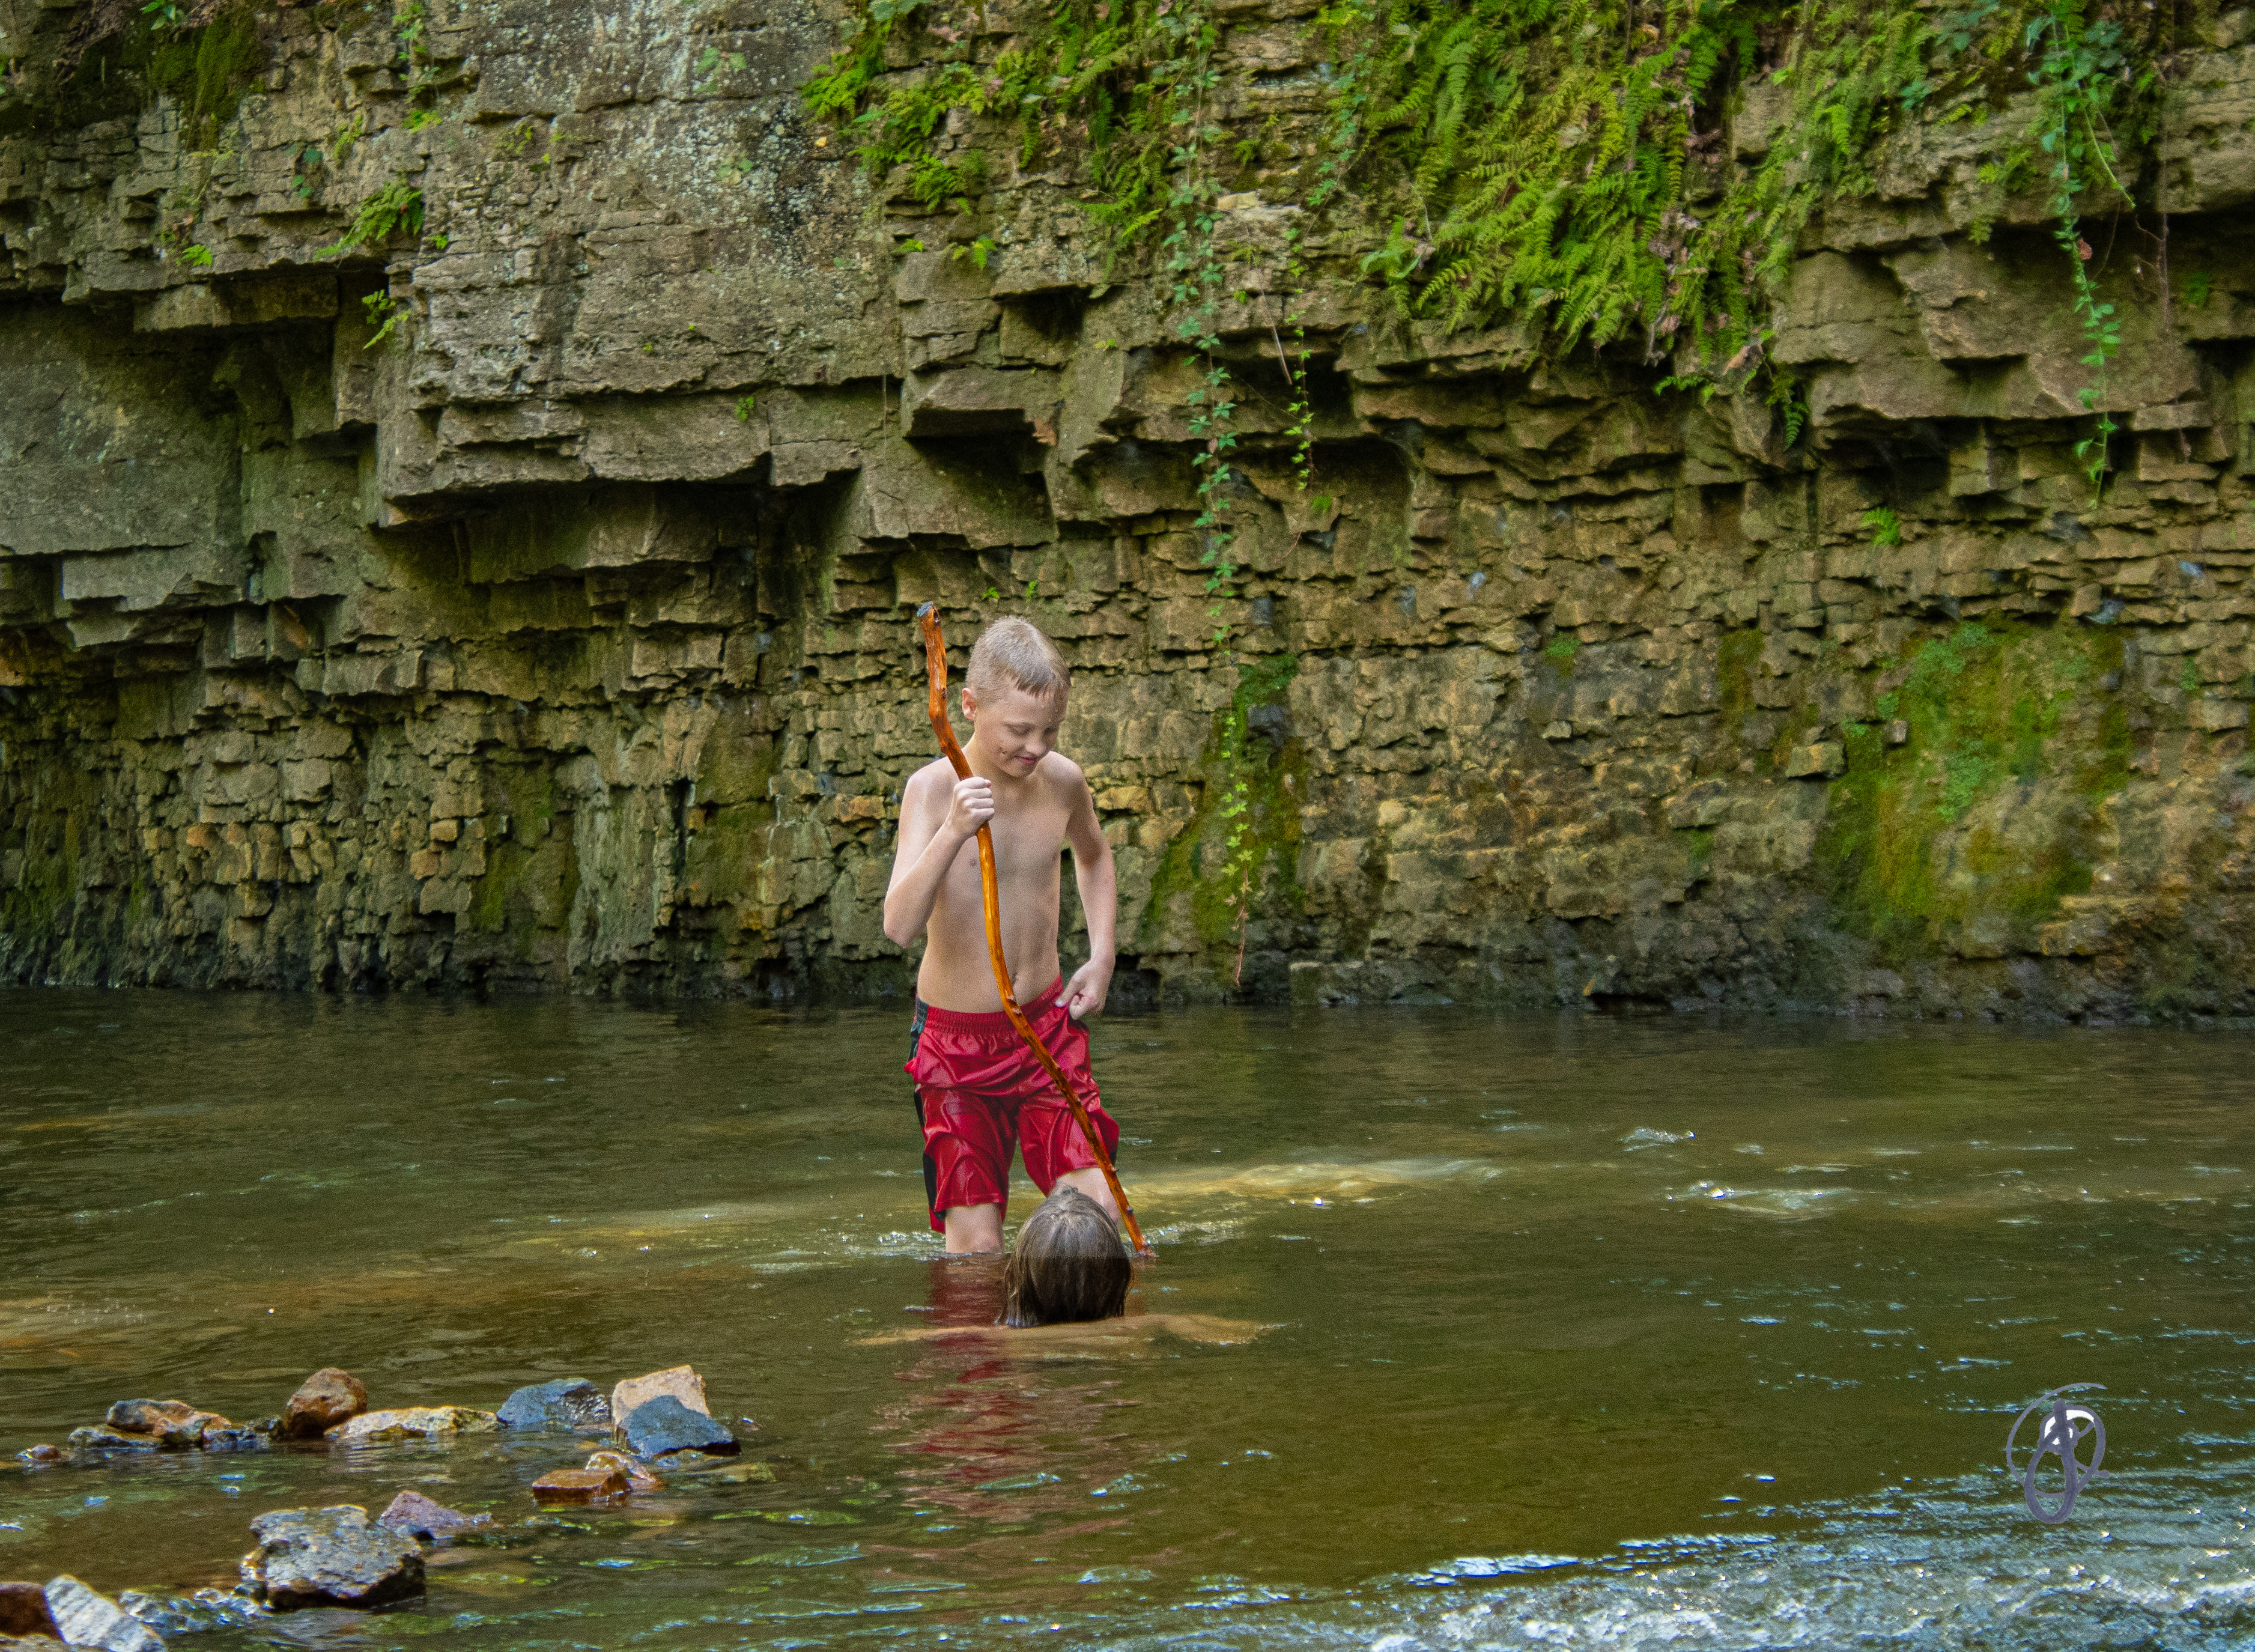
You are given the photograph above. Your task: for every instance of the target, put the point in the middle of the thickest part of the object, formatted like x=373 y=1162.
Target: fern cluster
x=1567 y=159
x=1567 y=163
x=397 y=207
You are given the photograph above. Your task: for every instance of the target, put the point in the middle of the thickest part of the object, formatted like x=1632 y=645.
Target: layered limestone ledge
x=562 y=637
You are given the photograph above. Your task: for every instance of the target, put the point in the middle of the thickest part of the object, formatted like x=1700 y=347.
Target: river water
x=1579 y=1332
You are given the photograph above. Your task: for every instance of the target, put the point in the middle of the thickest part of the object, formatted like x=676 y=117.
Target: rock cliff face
x=561 y=634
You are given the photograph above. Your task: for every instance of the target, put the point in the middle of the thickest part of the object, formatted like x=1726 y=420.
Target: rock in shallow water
x=205 y=1610
x=335 y=1557
x=679 y=1381
x=24 y=1610
x=173 y=1424
x=579 y=1485
x=417 y=1515
x=101 y=1438
x=323 y=1400
x=412 y=1423
x=666 y=1424
x=638 y=1474
x=558 y=1407
x=167 y=1425
x=86 y=1618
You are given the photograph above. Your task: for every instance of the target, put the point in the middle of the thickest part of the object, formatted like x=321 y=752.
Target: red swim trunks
x=979 y=1092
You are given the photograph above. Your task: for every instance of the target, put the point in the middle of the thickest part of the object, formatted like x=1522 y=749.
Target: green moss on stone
x=1201 y=862
x=1984 y=816
x=1736 y=658
x=204 y=71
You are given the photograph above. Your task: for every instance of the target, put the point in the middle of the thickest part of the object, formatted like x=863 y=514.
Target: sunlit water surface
x=1585 y=1333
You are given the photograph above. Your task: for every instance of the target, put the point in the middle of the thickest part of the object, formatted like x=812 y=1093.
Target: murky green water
x=1585 y=1333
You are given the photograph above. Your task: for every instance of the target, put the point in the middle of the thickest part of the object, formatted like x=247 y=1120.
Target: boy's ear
x=970 y=705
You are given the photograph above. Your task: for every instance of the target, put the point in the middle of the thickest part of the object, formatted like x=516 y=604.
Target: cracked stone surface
x=563 y=637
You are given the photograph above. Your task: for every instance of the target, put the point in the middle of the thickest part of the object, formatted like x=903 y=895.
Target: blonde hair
x=1013 y=653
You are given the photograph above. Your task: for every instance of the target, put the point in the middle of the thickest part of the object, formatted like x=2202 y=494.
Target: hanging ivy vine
x=1564 y=164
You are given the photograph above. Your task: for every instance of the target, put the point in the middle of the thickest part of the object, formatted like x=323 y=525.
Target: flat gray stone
x=656 y=1427
x=567 y=1404
x=335 y=1557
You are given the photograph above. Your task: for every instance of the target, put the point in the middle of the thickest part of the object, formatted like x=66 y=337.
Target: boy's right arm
x=935 y=822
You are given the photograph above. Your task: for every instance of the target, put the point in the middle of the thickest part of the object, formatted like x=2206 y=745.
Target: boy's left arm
x=1084 y=993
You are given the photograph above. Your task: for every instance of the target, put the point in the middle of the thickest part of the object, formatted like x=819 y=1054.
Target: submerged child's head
x=1067 y=1264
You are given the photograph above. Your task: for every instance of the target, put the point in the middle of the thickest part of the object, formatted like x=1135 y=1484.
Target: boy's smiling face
x=1014 y=730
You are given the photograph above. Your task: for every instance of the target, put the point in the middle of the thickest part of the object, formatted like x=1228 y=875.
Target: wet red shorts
x=979 y=1092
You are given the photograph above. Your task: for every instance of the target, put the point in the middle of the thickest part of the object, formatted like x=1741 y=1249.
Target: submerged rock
x=579 y=1486
x=679 y=1381
x=412 y=1423
x=417 y=1515
x=566 y=1404
x=236 y=1439
x=84 y=1617
x=323 y=1400
x=664 y=1424
x=639 y=1475
x=335 y=1557
x=198 y=1613
x=24 y=1610
x=101 y=1438
x=42 y=1455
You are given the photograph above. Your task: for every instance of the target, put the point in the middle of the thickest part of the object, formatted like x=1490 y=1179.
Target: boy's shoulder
x=1064 y=775
x=937 y=775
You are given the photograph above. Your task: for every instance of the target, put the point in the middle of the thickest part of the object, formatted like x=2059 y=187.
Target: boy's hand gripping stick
x=935 y=659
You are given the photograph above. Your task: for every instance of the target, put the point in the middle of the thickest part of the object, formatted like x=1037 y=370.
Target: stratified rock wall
x=562 y=636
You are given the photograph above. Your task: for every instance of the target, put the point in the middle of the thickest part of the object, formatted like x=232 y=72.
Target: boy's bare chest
x=1028 y=839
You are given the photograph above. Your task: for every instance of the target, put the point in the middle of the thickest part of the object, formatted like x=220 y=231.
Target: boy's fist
x=1084 y=993
x=971 y=807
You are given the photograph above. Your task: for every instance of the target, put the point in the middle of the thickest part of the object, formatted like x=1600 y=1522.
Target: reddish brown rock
x=173 y=1424
x=323 y=1400
x=416 y=1515
x=24 y=1610
x=579 y=1486
x=680 y=1381
x=41 y=1456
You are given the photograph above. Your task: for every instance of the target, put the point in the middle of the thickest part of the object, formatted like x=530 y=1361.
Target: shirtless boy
x=979 y=1090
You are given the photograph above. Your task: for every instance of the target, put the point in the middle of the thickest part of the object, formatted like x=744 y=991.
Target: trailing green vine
x=2078 y=73
x=1299 y=405
x=1605 y=169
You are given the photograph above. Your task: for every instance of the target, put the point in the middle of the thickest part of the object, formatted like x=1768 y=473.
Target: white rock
x=88 y=1618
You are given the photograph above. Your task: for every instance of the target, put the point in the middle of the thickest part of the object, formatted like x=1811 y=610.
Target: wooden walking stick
x=935 y=662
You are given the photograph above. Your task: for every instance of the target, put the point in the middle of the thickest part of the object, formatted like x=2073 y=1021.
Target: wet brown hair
x=1067 y=1264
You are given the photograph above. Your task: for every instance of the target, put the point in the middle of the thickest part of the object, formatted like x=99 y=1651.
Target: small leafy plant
x=397 y=207
x=379 y=307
